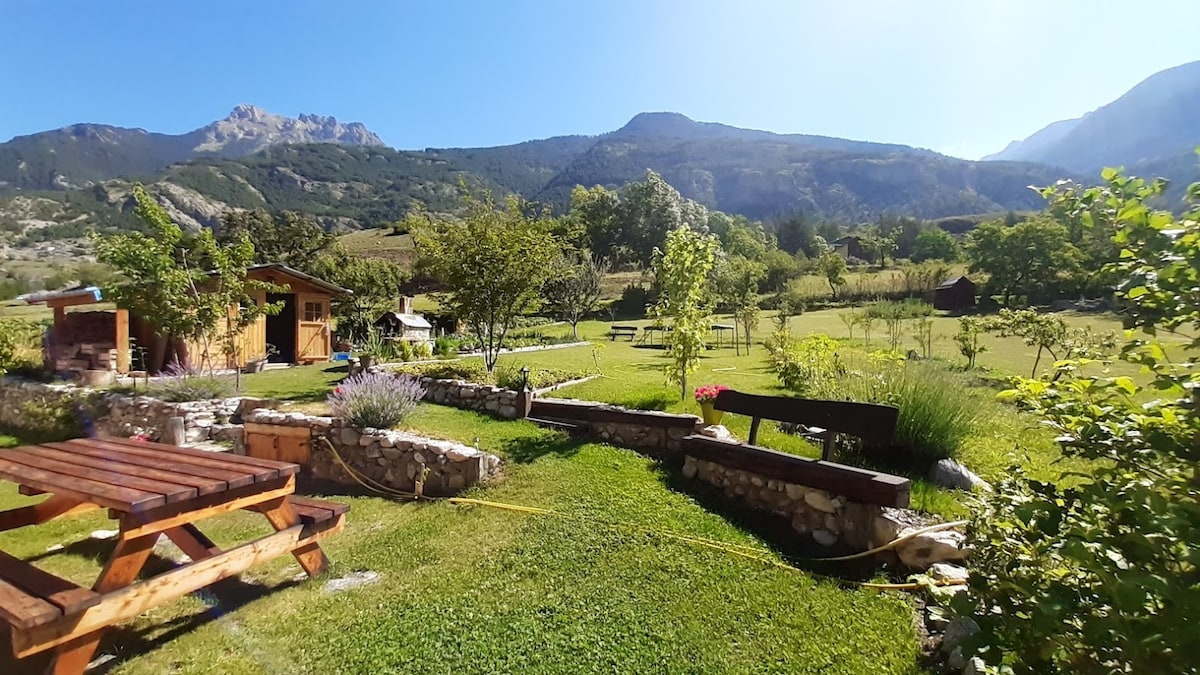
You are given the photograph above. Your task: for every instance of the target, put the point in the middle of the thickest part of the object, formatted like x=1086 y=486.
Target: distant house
x=105 y=339
x=405 y=324
x=957 y=293
x=849 y=247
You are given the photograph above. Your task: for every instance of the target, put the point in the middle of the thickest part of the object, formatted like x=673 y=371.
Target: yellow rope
x=748 y=552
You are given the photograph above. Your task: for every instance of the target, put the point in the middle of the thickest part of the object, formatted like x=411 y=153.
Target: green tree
x=1030 y=258
x=374 y=285
x=289 y=238
x=492 y=265
x=970 y=330
x=934 y=243
x=781 y=268
x=682 y=270
x=833 y=268
x=796 y=234
x=188 y=286
x=738 y=280
x=651 y=208
x=574 y=289
x=1099 y=574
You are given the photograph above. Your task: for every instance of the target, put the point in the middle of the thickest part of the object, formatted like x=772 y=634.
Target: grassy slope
x=475 y=590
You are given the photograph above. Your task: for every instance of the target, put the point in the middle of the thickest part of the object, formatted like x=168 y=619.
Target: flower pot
x=710 y=414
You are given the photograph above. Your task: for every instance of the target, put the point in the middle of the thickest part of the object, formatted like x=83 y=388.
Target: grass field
x=474 y=590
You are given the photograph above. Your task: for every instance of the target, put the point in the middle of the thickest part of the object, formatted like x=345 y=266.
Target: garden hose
x=748 y=552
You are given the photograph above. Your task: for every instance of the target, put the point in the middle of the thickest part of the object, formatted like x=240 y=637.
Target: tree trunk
x=575 y=330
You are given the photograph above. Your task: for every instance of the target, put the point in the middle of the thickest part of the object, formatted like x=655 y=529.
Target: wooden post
x=123 y=353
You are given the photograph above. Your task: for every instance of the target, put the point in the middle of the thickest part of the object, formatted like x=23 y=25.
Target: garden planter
x=710 y=414
x=366 y=361
x=254 y=366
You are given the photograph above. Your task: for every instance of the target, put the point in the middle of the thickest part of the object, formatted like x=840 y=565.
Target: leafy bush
x=20 y=344
x=445 y=347
x=1099 y=575
x=509 y=376
x=471 y=370
x=802 y=365
x=378 y=400
x=935 y=415
x=635 y=301
x=8 y=441
x=180 y=384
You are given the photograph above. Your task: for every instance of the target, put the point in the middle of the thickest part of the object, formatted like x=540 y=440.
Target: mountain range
x=58 y=183
x=1156 y=121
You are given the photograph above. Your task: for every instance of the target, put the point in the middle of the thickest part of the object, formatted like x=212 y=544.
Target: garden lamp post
x=525 y=396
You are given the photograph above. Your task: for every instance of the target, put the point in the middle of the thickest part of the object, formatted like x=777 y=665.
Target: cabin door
x=312 y=332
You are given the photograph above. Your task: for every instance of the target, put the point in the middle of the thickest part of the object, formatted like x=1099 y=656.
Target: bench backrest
x=873 y=423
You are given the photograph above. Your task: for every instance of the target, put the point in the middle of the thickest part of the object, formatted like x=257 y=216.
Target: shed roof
x=407 y=320
x=953 y=281
x=291 y=271
x=83 y=294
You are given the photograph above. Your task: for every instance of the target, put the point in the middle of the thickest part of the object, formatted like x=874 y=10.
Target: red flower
x=708 y=392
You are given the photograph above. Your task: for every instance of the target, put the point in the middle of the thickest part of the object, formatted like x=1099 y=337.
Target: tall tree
x=833 y=268
x=287 y=238
x=574 y=288
x=681 y=270
x=1029 y=258
x=738 y=281
x=374 y=286
x=189 y=286
x=492 y=265
x=934 y=243
x=796 y=234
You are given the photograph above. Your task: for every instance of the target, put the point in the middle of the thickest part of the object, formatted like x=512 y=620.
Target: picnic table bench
x=151 y=489
x=622 y=331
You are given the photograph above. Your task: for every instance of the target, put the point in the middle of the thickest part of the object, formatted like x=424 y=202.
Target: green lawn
x=472 y=589
x=477 y=590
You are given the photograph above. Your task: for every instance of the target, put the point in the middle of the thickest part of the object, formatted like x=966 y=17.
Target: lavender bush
x=379 y=400
x=179 y=383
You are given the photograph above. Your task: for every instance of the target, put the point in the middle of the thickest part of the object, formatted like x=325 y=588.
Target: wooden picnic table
x=615 y=332
x=151 y=489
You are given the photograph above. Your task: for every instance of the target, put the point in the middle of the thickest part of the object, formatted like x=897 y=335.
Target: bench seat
x=312 y=511
x=31 y=597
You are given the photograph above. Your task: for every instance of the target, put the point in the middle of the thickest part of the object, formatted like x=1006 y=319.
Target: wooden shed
x=957 y=293
x=101 y=340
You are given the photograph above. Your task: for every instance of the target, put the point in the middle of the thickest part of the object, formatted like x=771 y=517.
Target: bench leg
x=36 y=514
x=192 y=541
x=72 y=658
x=282 y=516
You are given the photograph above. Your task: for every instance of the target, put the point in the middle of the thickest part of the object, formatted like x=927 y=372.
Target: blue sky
x=963 y=77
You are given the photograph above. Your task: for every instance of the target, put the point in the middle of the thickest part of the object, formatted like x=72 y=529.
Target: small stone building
x=957 y=293
x=405 y=324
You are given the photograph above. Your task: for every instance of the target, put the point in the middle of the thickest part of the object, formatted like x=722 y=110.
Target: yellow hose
x=748 y=552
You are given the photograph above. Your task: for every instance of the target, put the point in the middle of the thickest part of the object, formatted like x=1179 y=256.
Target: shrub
x=20 y=343
x=802 y=365
x=509 y=376
x=935 y=415
x=181 y=384
x=8 y=441
x=445 y=347
x=378 y=400
x=471 y=370
x=403 y=350
x=422 y=350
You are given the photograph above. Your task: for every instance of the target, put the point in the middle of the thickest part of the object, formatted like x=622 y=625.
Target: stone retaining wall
x=655 y=433
x=483 y=398
x=830 y=520
x=397 y=459
x=47 y=408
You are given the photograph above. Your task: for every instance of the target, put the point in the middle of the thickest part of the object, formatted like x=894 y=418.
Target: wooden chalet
x=116 y=340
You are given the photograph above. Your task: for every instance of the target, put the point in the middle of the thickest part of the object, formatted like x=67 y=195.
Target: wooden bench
x=313 y=511
x=622 y=331
x=31 y=597
x=873 y=423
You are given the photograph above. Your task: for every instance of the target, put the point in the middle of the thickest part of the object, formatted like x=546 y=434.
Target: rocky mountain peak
x=249 y=128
